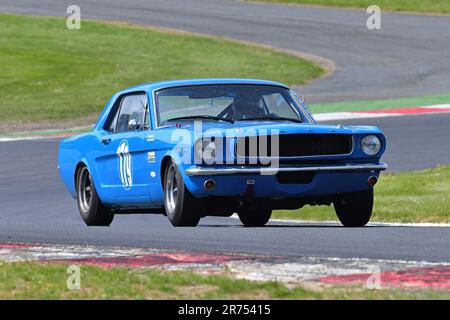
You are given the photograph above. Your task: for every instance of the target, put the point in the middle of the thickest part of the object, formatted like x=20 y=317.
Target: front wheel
x=92 y=211
x=254 y=217
x=180 y=206
x=355 y=209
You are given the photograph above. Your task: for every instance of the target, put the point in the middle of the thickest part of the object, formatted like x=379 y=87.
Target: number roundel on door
x=125 y=165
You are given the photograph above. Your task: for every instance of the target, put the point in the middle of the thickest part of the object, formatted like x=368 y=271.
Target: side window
x=277 y=104
x=111 y=125
x=132 y=107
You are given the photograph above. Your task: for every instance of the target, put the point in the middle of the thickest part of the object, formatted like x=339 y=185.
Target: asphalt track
x=407 y=57
x=414 y=141
x=35 y=207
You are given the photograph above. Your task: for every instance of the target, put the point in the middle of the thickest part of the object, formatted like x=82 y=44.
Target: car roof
x=151 y=86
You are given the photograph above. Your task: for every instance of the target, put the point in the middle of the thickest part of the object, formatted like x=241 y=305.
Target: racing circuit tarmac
x=35 y=207
x=406 y=58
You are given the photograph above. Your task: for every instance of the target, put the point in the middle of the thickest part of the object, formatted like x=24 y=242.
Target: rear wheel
x=355 y=209
x=92 y=211
x=181 y=207
x=254 y=217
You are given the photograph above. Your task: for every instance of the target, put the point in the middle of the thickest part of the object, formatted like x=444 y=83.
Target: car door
x=122 y=166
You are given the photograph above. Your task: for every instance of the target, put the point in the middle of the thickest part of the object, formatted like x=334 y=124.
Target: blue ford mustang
x=214 y=147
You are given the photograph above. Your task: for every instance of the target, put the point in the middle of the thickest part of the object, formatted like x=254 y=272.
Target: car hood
x=242 y=128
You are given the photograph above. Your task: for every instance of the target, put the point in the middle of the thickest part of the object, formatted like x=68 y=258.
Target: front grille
x=296 y=145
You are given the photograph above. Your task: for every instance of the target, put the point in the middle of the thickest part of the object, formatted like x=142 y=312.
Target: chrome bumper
x=214 y=171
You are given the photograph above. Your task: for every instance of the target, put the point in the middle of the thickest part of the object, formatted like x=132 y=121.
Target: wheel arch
x=79 y=165
x=190 y=186
x=164 y=163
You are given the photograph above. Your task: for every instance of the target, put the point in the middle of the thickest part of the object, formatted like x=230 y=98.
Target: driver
x=247 y=106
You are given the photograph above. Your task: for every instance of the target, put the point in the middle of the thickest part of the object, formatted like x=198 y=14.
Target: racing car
x=217 y=147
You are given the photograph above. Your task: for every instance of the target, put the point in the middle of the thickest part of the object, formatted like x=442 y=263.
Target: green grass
x=380 y=104
x=422 y=6
x=50 y=73
x=420 y=196
x=48 y=281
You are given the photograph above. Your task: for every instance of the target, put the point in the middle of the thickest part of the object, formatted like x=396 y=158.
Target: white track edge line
x=373 y=224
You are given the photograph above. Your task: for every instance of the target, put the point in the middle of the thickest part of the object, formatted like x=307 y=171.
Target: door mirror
x=133 y=125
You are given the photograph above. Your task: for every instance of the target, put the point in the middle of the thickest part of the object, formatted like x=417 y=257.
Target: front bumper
x=234 y=181
x=246 y=170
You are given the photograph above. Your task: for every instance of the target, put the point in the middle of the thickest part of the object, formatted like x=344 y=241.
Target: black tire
x=92 y=211
x=355 y=209
x=181 y=208
x=254 y=217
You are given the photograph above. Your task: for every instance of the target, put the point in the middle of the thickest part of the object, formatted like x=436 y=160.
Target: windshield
x=227 y=103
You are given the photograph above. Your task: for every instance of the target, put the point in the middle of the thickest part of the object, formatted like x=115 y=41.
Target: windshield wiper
x=201 y=117
x=271 y=118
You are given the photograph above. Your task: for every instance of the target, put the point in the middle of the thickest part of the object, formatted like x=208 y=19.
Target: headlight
x=206 y=150
x=371 y=145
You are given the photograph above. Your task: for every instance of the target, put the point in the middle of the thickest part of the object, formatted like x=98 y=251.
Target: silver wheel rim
x=85 y=190
x=171 y=190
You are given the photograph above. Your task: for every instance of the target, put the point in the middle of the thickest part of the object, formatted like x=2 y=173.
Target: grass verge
x=420 y=196
x=421 y=6
x=380 y=104
x=29 y=280
x=52 y=73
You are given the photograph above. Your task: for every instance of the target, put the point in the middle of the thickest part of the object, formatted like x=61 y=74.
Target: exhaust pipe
x=372 y=181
